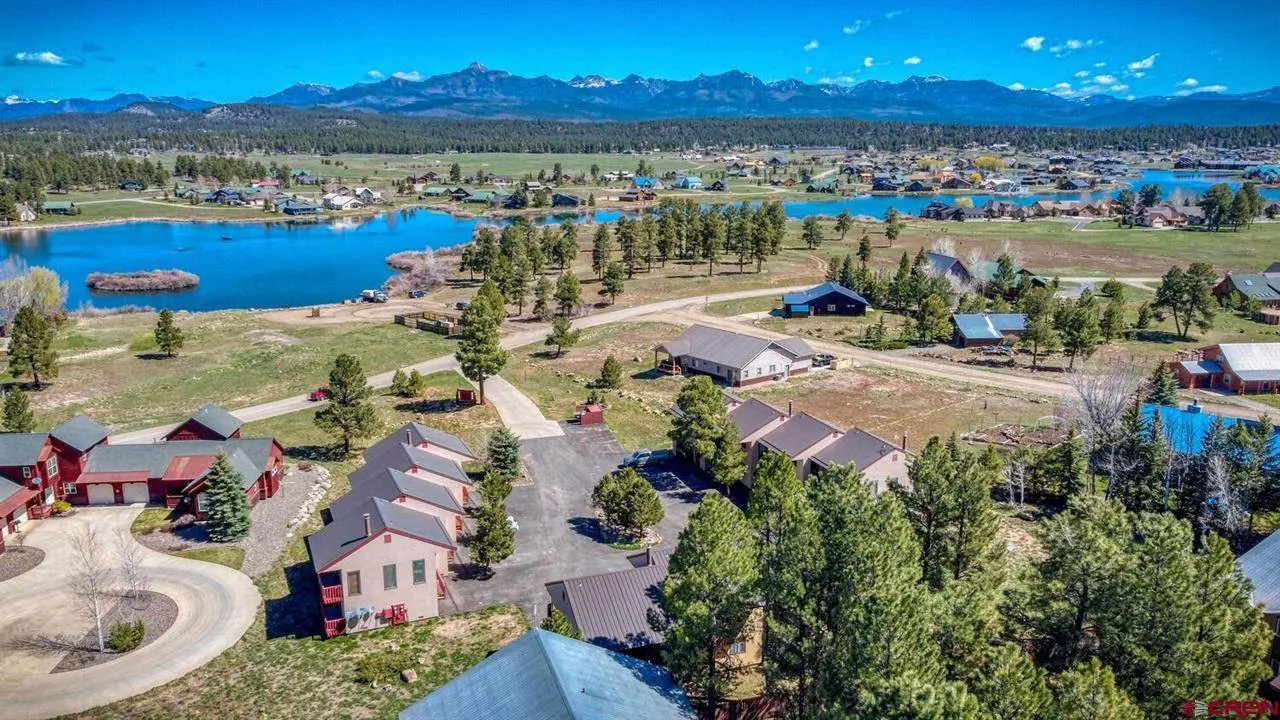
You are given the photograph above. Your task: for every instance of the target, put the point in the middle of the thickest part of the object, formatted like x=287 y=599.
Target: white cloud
x=855 y=27
x=1099 y=64
x=1119 y=87
x=1105 y=79
x=42 y=59
x=1139 y=74
x=1033 y=43
x=1189 y=82
x=868 y=61
x=913 y=60
x=1129 y=97
x=893 y=14
x=13 y=100
x=1081 y=74
x=1017 y=86
x=837 y=80
x=374 y=75
x=808 y=69
x=811 y=45
x=411 y=76
x=1062 y=89
x=1071 y=45
x=1145 y=63
x=1214 y=88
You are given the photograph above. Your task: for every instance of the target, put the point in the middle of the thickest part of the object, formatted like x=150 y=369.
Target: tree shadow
x=154 y=356
x=472 y=571
x=316 y=453
x=589 y=527
x=1158 y=336
x=429 y=407
x=294 y=615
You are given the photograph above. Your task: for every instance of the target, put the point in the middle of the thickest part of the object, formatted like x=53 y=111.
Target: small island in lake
x=142 y=281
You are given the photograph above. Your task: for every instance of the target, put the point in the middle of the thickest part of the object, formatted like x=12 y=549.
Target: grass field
x=109 y=369
x=232 y=557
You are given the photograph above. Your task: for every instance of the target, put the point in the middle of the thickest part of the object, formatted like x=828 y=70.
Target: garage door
x=101 y=494
x=136 y=493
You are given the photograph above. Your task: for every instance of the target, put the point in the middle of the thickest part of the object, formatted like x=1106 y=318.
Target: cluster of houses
x=76 y=463
x=261 y=194
x=345 y=198
x=389 y=543
x=506 y=201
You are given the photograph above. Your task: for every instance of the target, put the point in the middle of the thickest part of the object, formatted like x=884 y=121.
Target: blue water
x=266 y=265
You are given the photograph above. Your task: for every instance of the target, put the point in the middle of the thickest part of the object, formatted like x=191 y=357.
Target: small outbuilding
x=589 y=414
x=981 y=330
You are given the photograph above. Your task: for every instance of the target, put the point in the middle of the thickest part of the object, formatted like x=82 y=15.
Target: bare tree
x=1097 y=408
x=91 y=578
x=130 y=554
x=1223 y=509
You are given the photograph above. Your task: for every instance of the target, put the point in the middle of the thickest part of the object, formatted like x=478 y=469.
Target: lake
x=282 y=264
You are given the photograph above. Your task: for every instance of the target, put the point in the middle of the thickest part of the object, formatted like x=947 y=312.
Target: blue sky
x=225 y=52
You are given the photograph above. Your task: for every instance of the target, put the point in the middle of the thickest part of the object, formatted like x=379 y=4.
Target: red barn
x=210 y=422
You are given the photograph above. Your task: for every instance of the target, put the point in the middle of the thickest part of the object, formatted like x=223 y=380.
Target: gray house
x=735 y=358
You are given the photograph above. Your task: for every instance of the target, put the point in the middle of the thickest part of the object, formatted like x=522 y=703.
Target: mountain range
x=479 y=92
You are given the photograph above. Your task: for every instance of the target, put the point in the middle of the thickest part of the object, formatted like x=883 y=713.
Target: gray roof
x=417 y=433
x=798 y=434
x=346 y=533
x=20 y=449
x=940 y=264
x=730 y=349
x=1261 y=287
x=1201 y=367
x=8 y=488
x=612 y=609
x=80 y=433
x=248 y=456
x=1262 y=566
x=752 y=415
x=390 y=484
x=989 y=326
x=856 y=447
x=216 y=419
x=1252 y=361
x=404 y=457
x=545 y=676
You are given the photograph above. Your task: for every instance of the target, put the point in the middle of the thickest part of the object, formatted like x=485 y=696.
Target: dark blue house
x=829 y=298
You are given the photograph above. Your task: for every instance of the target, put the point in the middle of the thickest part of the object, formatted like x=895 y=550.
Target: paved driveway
x=558 y=536
x=216 y=605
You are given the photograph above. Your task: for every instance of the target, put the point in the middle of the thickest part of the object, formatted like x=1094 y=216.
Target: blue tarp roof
x=813 y=293
x=545 y=676
x=991 y=326
x=1186 y=429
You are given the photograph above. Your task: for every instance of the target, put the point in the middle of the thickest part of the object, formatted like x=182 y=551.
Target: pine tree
x=494 y=539
x=600 y=248
x=811 y=232
x=542 y=291
x=696 y=428
x=494 y=488
x=612 y=284
x=416 y=385
x=728 y=464
x=557 y=622
x=30 y=349
x=1112 y=322
x=610 y=374
x=349 y=413
x=18 y=417
x=169 y=337
x=399 y=383
x=864 y=249
x=628 y=502
x=562 y=335
x=1162 y=389
x=227 y=518
x=1010 y=686
x=480 y=352
x=1087 y=691
x=568 y=294
x=930 y=506
x=502 y=454
x=708 y=599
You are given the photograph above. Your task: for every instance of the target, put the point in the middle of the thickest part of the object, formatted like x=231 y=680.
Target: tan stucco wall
x=419 y=600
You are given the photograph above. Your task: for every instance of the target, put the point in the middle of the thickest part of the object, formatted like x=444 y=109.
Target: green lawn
x=232 y=557
x=231 y=358
x=729 y=308
x=150 y=520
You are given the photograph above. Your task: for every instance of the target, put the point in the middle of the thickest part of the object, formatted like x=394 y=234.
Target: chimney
x=789 y=408
x=904 y=442
x=368 y=525
x=408 y=436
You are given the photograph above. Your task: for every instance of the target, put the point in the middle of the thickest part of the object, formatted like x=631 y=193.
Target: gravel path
x=273 y=518
x=17 y=560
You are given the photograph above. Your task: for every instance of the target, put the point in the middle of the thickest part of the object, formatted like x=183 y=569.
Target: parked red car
x=318 y=394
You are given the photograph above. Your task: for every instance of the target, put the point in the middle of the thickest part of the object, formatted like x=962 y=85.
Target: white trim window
x=70 y=489
x=26 y=472
x=51 y=467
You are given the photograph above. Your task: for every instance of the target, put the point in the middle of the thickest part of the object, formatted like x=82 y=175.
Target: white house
x=735 y=358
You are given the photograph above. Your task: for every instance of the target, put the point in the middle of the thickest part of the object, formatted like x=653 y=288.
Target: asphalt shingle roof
x=248 y=456
x=752 y=415
x=8 y=489
x=80 y=433
x=730 y=349
x=1258 y=287
x=404 y=457
x=798 y=434
x=857 y=447
x=19 y=449
x=216 y=419
x=415 y=433
x=612 y=609
x=390 y=484
x=346 y=533
x=545 y=676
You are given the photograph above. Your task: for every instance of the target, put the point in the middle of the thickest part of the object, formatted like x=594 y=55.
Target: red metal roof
x=188 y=467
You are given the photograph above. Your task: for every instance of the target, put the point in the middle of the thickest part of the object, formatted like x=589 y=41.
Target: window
x=353 y=582
x=831 y=308
x=202 y=501
x=51 y=467
x=26 y=472
x=419 y=572
x=738 y=647
x=69 y=489
x=389 y=577
x=773 y=369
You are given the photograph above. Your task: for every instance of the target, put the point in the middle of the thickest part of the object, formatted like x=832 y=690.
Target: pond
x=267 y=265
